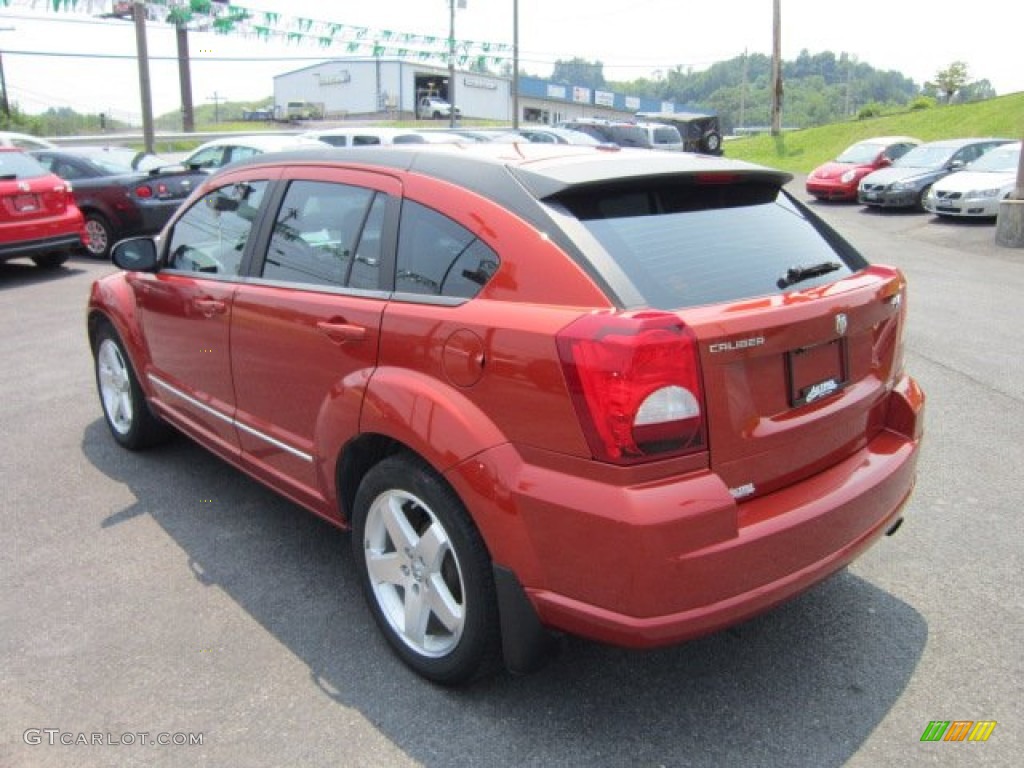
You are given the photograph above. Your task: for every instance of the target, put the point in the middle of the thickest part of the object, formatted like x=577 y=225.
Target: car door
x=305 y=330
x=186 y=309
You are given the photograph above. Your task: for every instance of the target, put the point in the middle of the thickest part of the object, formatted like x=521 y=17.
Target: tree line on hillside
x=817 y=89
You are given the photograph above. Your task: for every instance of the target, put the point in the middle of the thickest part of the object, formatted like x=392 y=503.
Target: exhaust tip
x=894 y=527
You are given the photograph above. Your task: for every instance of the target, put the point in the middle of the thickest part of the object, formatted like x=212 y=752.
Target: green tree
x=951 y=79
x=578 y=71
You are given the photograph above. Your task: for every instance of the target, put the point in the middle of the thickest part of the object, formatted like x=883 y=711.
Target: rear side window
x=439 y=257
x=666 y=135
x=689 y=244
x=316 y=234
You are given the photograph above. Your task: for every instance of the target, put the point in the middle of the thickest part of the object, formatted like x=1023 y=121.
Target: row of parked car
x=955 y=177
x=91 y=197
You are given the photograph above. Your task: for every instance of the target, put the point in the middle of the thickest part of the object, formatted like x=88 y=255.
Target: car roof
x=358 y=130
x=268 y=142
x=963 y=142
x=7 y=139
x=888 y=140
x=544 y=169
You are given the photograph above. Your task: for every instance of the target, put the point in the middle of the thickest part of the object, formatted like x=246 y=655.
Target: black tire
x=132 y=424
x=437 y=115
x=442 y=562
x=50 y=260
x=101 y=235
x=712 y=142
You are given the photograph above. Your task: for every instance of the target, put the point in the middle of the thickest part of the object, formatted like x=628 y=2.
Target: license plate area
x=816 y=372
x=26 y=203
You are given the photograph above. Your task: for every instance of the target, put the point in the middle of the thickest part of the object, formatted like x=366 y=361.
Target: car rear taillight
x=636 y=384
x=143 y=191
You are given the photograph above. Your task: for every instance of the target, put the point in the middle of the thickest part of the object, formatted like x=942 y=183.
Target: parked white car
x=977 y=190
x=369 y=135
x=24 y=141
x=228 y=149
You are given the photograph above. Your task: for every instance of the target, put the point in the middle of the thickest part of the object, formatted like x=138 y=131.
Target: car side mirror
x=956 y=165
x=884 y=162
x=136 y=254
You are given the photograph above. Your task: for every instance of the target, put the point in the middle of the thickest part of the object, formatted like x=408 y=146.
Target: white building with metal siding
x=390 y=87
x=352 y=87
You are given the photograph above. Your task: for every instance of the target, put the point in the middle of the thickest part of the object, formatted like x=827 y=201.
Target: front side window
x=326 y=234
x=211 y=236
x=439 y=257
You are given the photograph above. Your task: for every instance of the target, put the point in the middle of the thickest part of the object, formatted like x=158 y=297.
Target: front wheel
x=425 y=571
x=127 y=413
x=921 y=198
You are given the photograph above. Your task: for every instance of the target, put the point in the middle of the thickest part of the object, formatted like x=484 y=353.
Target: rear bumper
x=767 y=562
x=40 y=247
x=655 y=563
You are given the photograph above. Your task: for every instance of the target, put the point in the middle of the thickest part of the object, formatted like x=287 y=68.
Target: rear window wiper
x=797 y=274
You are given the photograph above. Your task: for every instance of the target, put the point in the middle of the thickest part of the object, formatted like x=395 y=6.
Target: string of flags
x=221 y=17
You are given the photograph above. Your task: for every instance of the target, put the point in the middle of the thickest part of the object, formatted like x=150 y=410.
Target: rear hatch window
x=700 y=241
x=16 y=165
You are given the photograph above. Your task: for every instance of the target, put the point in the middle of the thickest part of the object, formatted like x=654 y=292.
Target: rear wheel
x=425 y=572
x=127 y=413
x=712 y=142
x=50 y=260
x=100 y=235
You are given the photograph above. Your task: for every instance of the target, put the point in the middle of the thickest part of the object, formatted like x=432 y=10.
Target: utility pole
x=139 y=12
x=216 y=99
x=5 y=105
x=451 y=61
x=188 y=119
x=743 y=91
x=776 y=67
x=515 y=64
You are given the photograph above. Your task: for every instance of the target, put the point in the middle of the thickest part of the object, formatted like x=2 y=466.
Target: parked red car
x=38 y=216
x=630 y=395
x=838 y=179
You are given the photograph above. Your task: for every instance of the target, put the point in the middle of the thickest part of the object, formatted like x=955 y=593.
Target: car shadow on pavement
x=14 y=274
x=802 y=686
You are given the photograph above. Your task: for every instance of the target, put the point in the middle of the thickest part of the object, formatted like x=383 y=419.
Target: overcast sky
x=632 y=38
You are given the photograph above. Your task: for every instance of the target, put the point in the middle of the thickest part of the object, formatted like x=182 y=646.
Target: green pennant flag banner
x=229 y=19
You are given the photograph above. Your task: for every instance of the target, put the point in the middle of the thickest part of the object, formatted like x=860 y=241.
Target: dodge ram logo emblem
x=841 y=323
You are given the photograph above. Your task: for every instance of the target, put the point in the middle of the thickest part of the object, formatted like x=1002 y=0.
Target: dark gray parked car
x=906 y=182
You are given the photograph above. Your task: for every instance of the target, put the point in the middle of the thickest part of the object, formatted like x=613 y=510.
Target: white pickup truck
x=434 y=108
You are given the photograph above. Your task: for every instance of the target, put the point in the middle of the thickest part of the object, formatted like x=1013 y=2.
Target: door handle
x=341 y=332
x=210 y=307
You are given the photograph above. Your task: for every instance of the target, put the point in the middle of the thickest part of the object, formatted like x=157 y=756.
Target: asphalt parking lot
x=165 y=596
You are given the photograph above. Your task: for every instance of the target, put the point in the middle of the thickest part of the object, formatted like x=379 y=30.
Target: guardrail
x=125 y=139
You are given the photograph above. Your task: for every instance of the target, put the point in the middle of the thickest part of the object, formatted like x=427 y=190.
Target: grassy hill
x=801 y=151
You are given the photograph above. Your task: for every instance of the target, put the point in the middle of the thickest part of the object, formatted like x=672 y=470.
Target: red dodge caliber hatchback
x=628 y=395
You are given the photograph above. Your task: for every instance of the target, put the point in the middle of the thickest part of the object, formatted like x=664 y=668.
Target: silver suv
x=627 y=134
